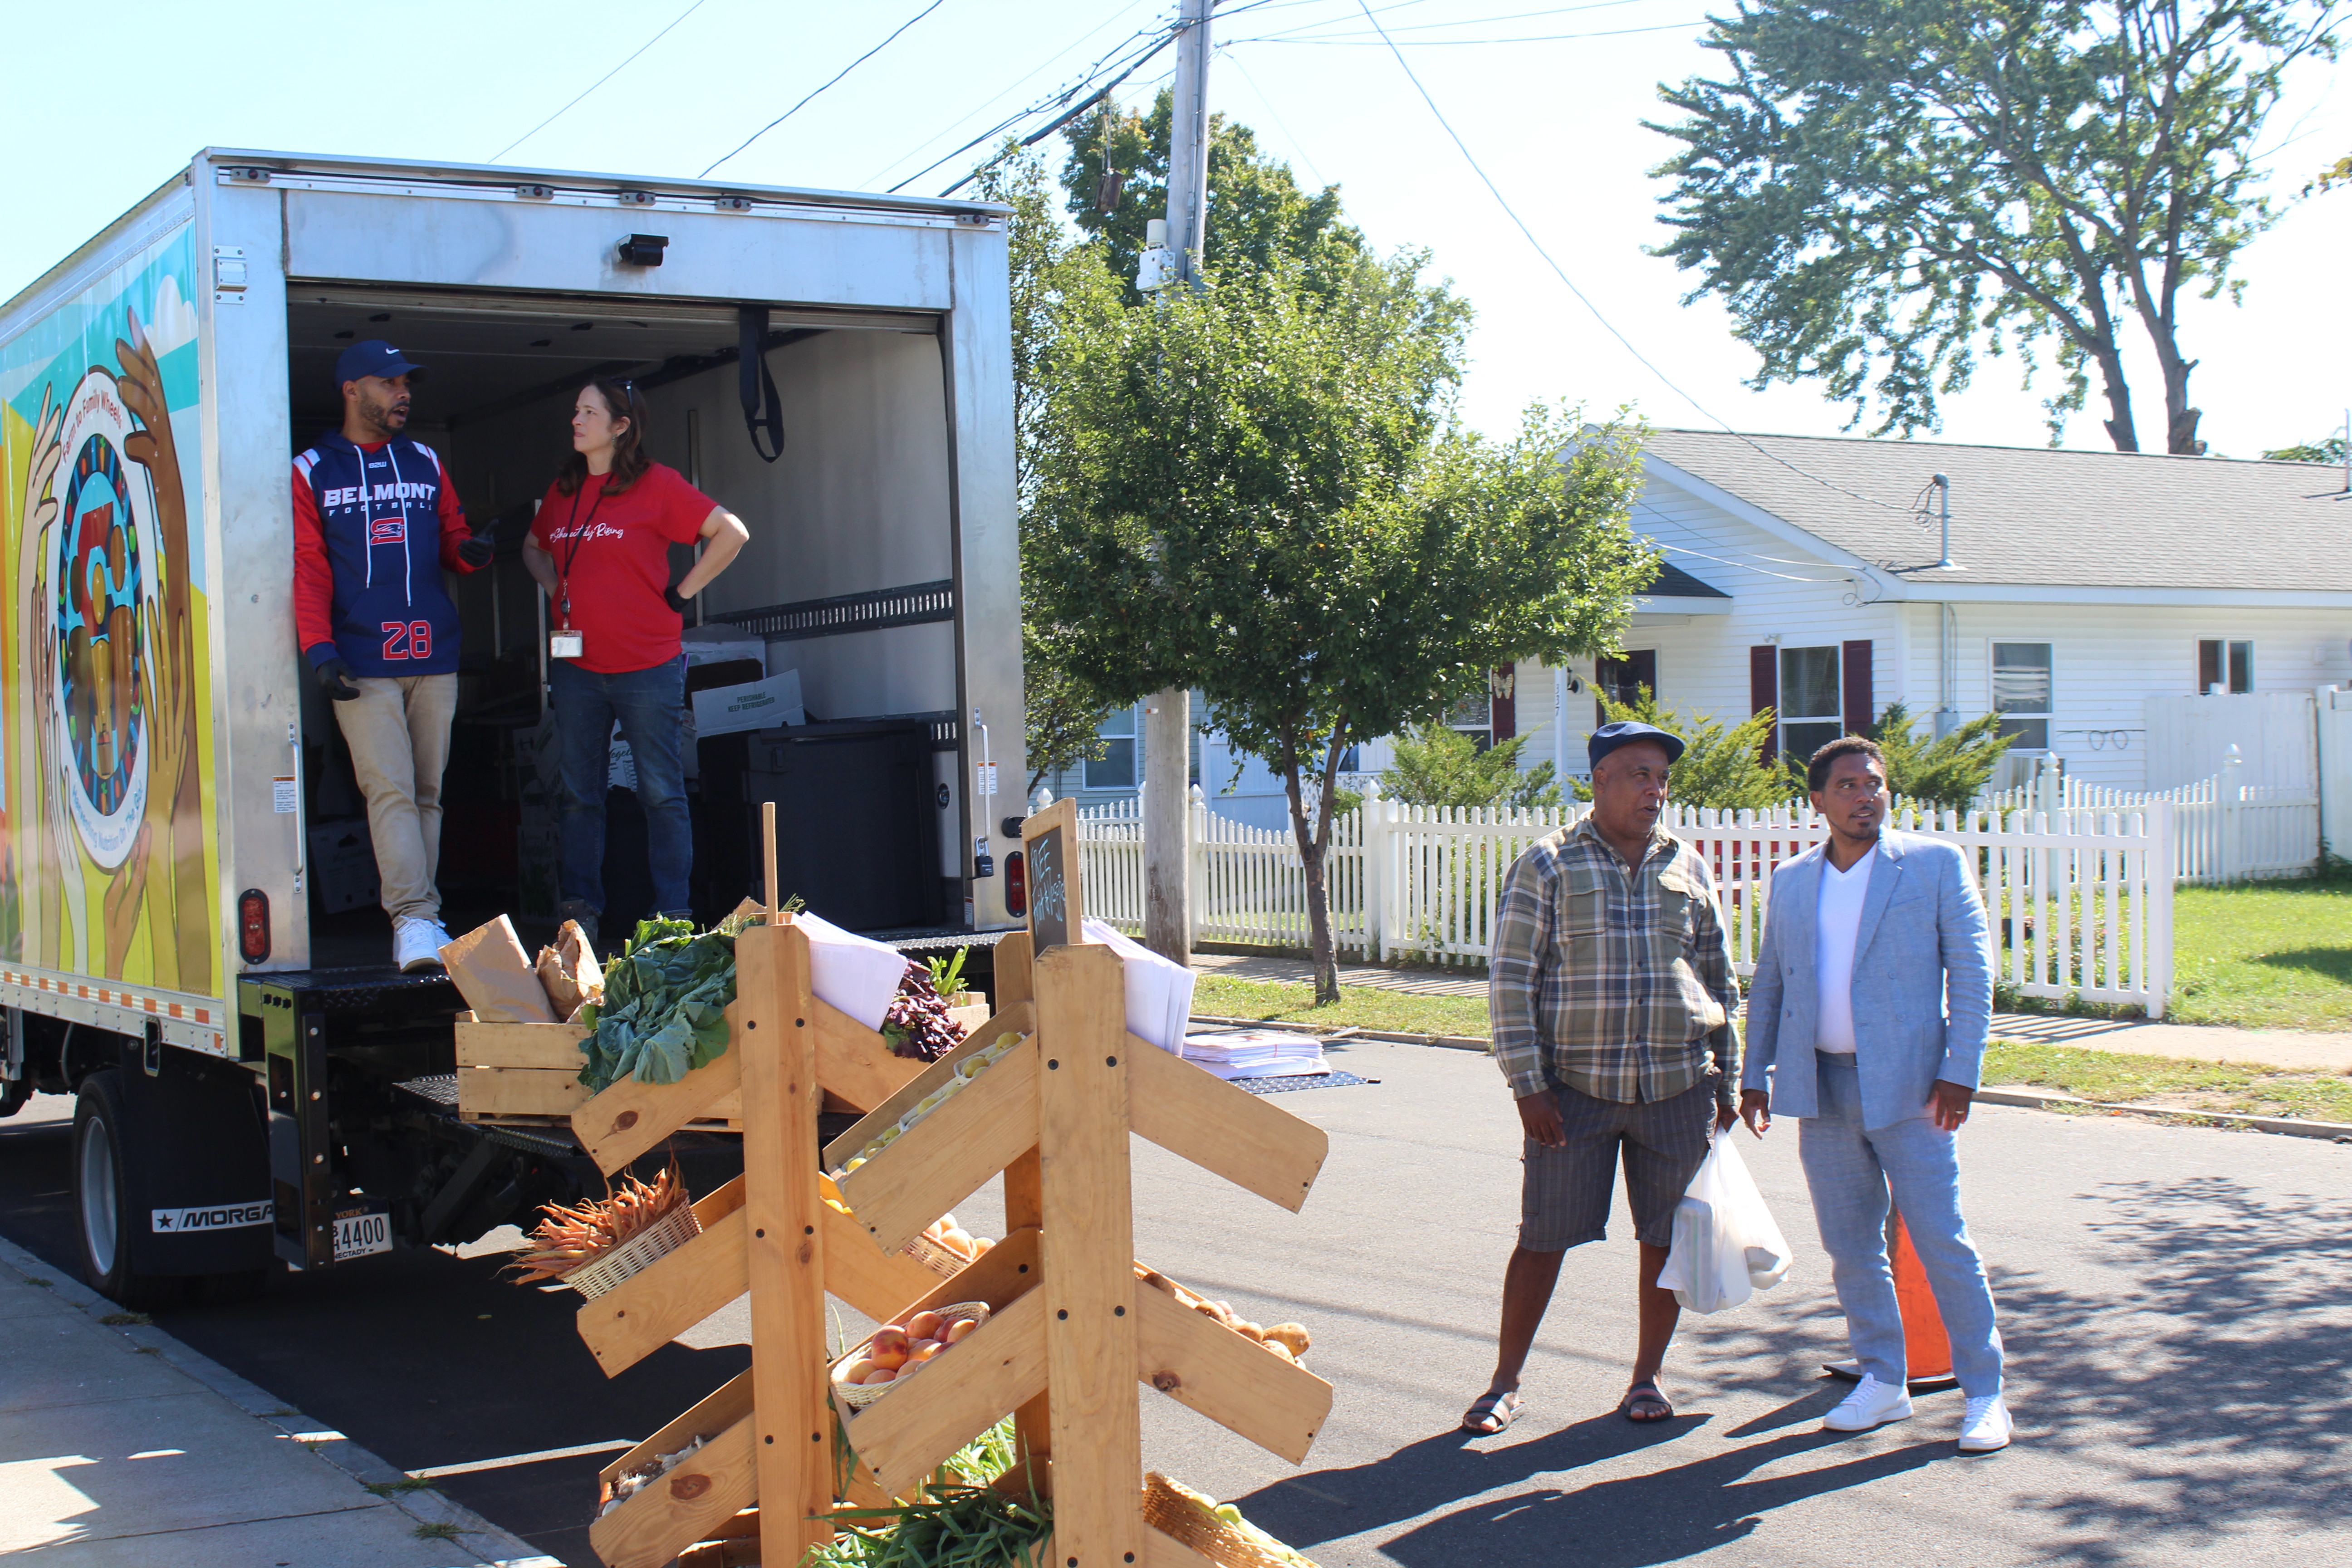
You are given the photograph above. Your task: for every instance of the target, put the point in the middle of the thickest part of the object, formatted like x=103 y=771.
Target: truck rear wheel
x=102 y=1189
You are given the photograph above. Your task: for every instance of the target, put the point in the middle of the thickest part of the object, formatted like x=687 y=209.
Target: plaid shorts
x=1564 y=1197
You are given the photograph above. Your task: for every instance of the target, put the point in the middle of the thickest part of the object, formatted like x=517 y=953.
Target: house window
x=1475 y=717
x=1116 y=769
x=2021 y=693
x=2224 y=667
x=1619 y=679
x=1811 y=711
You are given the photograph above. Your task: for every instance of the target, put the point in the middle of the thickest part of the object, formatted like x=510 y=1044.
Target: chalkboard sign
x=1049 y=843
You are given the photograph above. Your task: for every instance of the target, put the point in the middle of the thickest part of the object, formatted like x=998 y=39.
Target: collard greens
x=664 y=1012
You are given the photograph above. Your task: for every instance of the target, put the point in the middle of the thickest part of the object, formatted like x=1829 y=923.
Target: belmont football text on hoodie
x=373 y=527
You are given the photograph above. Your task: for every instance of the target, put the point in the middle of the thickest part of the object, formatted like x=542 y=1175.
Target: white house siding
x=2106 y=659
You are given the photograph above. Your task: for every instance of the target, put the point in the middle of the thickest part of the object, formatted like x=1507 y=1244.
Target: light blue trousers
x=1851 y=1173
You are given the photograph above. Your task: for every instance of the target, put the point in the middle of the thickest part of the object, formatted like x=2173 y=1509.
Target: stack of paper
x=1158 y=989
x=1256 y=1053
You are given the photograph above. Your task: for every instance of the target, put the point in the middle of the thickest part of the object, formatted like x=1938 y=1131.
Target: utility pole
x=1167 y=715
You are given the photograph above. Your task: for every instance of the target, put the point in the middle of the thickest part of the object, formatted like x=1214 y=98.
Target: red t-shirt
x=612 y=552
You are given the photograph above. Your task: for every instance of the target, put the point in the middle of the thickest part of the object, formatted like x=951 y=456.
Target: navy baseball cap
x=1609 y=737
x=374 y=357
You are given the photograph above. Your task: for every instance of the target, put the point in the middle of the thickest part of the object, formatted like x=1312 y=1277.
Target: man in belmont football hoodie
x=375 y=521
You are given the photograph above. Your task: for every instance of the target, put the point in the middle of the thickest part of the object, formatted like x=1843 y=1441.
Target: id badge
x=566 y=644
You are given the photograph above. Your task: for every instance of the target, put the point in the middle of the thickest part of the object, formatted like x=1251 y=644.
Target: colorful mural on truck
x=108 y=857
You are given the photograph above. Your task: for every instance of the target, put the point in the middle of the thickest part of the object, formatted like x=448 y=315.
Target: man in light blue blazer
x=1866 y=1018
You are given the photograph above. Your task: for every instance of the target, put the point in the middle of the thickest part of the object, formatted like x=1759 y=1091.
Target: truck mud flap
x=196 y=1166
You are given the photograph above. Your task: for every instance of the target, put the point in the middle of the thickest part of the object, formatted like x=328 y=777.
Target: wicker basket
x=934 y=1257
x=857 y=1396
x=637 y=1253
x=1179 y=1513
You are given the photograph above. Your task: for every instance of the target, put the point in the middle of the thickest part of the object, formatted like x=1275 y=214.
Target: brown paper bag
x=569 y=973
x=495 y=977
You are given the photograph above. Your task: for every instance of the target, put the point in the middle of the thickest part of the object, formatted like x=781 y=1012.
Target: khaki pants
x=398 y=729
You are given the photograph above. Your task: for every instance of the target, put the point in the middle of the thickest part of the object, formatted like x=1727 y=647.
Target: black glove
x=677 y=601
x=477 y=549
x=336 y=681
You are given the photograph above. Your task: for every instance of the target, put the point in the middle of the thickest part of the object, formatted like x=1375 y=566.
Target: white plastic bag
x=1726 y=1247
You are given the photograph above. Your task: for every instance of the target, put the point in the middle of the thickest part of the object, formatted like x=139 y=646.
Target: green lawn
x=2119 y=1079
x=1365 y=1006
x=2269 y=955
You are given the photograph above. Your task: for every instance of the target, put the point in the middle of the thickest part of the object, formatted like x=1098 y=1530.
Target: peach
x=924 y=1326
x=856 y=1371
x=888 y=1346
x=981 y=1244
x=922 y=1350
x=961 y=1330
x=958 y=1241
x=880 y=1374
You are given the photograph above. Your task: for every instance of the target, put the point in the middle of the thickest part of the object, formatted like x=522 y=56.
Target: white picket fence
x=2081 y=901
x=2222 y=831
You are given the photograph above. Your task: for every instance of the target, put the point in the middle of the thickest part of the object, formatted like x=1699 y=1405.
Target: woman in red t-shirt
x=600 y=546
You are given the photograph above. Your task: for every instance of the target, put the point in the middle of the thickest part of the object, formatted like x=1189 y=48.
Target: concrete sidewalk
x=119 y=1447
x=2285 y=1050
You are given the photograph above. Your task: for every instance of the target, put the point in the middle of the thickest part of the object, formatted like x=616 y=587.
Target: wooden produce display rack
x=1072 y=1333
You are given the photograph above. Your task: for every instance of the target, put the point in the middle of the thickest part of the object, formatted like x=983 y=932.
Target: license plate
x=359 y=1233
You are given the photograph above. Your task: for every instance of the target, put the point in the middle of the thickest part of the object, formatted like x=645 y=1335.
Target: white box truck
x=255 y=1084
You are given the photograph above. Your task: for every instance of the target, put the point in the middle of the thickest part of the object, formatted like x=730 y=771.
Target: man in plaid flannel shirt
x=1613 y=1000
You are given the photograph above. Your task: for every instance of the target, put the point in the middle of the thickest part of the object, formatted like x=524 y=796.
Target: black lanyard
x=579 y=533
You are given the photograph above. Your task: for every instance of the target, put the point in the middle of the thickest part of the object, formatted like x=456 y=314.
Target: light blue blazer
x=1922 y=982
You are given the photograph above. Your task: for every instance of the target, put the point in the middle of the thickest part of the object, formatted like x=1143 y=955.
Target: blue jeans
x=1851 y=1173
x=651 y=706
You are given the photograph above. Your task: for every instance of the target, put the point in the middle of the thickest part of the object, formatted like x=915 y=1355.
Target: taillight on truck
x=1017 y=885
x=253 y=925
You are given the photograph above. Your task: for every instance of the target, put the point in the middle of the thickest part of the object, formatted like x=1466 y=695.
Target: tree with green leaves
x=1886 y=187
x=1049 y=274
x=2327 y=449
x=1264 y=479
x=1948 y=772
x=1438 y=765
x=1257 y=214
x=1720 y=768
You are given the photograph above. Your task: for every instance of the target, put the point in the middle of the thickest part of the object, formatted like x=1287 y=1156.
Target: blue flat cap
x=1609 y=737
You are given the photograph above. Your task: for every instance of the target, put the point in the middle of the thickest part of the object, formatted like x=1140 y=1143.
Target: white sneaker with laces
x=1986 y=1427
x=416 y=944
x=1871 y=1404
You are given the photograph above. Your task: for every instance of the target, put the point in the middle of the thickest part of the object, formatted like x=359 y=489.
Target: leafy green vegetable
x=663 y=1013
x=947 y=973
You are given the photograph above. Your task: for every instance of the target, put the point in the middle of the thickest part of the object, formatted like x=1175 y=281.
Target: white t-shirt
x=1837 y=921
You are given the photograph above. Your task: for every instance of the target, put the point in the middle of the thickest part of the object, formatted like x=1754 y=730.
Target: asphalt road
x=2178 y=1305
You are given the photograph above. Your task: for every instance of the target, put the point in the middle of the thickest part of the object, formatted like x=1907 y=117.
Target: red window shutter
x=1853 y=666
x=1764 y=691
x=1503 y=703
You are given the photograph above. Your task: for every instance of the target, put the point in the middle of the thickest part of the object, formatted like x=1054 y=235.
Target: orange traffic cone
x=1926 y=1347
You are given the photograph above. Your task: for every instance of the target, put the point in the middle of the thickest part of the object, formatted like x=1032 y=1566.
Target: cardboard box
x=754 y=705
x=343 y=866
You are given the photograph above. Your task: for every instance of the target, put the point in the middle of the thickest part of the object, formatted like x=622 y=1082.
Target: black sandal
x=1501 y=1406
x=1646 y=1395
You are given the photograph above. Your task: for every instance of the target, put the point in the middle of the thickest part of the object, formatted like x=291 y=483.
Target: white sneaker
x=416 y=944
x=1986 y=1427
x=1871 y=1404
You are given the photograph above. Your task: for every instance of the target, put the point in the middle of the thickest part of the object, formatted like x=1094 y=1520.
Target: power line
x=1133 y=63
x=1359 y=42
x=1512 y=213
x=844 y=70
x=1085 y=75
x=600 y=81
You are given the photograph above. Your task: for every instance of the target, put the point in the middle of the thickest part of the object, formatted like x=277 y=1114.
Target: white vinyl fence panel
x=2079 y=900
x=2224 y=830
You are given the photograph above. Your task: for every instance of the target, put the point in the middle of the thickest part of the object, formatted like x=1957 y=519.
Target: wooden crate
x=510 y=1072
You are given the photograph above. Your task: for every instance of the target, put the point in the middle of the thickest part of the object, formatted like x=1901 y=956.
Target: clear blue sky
x=104 y=107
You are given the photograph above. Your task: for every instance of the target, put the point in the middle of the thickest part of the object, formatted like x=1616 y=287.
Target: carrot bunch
x=567 y=1239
